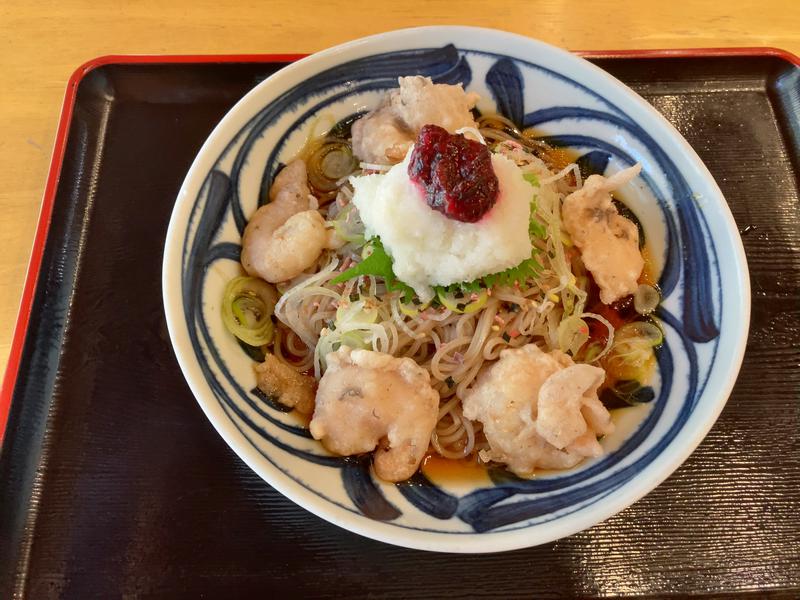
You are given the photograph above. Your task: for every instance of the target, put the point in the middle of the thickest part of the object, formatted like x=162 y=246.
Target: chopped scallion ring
x=247 y=306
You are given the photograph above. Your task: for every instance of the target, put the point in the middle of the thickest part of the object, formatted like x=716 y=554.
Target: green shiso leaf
x=377 y=264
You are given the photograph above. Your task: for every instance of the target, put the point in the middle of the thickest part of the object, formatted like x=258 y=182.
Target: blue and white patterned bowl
x=699 y=254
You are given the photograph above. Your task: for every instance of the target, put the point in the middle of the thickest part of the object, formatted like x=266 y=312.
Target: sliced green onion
x=573 y=333
x=646 y=299
x=408 y=309
x=568 y=300
x=328 y=163
x=355 y=339
x=462 y=303
x=348 y=226
x=356 y=313
x=412 y=309
x=247 y=306
x=354 y=326
x=632 y=355
x=531 y=178
x=592 y=352
x=646 y=332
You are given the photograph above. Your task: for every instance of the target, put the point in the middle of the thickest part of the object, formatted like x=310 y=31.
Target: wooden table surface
x=42 y=42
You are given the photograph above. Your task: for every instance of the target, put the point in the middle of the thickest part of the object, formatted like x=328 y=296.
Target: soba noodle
x=316 y=316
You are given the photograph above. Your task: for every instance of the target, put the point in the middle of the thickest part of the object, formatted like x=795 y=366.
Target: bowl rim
x=675 y=453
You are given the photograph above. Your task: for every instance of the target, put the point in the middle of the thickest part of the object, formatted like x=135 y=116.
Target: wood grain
x=42 y=42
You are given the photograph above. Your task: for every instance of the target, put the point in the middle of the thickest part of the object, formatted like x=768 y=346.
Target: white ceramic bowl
x=689 y=227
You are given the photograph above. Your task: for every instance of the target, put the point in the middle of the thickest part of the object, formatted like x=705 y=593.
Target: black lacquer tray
x=113 y=484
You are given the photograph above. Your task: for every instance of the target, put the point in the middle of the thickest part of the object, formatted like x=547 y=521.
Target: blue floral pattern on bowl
x=568 y=114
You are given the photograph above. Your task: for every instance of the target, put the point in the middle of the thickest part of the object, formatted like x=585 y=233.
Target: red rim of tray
x=43 y=225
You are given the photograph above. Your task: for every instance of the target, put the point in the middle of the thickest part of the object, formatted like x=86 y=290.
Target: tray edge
x=37 y=252
x=65 y=118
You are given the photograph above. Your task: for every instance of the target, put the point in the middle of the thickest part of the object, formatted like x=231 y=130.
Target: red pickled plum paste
x=455 y=173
